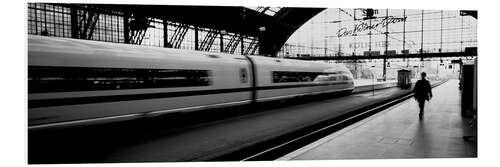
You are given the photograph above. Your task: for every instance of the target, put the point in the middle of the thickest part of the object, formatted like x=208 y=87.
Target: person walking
x=422 y=92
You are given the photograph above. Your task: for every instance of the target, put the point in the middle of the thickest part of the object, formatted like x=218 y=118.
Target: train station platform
x=367 y=82
x=397 y=132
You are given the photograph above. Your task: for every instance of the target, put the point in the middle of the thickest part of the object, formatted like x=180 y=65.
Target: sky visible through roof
x=271 y=11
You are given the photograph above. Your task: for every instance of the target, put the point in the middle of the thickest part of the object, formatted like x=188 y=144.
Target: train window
x=333 y=78
x=293 y=76
x=62 y=79
x=321 y=78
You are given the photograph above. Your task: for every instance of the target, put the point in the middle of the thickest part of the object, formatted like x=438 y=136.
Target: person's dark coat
x=422 y=90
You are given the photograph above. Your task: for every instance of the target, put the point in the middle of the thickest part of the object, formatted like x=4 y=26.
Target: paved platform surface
x=397 y=132
x=364 y=82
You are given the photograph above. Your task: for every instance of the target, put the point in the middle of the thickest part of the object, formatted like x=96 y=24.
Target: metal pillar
x=312 y=38
x=441 y=40
x=340 y=38
x=461 y=33
x=165 y=33
x=355 y=48
x=422 y=37
x=196 y=46
x=126 y=27
x=242 y=44
x=370 y=40
x=404 y=30
x=325 y=31
x=386 y=45
x=74 y=22
x=36 y=18
x=54 y=18
x=221 y=42
x=45 y=30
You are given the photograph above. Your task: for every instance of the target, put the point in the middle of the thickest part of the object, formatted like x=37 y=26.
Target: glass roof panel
x=271 y=11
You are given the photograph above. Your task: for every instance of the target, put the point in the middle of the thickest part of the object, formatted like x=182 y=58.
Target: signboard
x=364 y=26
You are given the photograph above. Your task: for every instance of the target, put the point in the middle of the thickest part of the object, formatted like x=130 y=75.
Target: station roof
x=273 y=25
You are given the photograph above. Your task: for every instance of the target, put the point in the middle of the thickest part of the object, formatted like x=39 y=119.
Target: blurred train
x=81 y=82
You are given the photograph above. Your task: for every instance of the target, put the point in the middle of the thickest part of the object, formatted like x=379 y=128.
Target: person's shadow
x=422 y=140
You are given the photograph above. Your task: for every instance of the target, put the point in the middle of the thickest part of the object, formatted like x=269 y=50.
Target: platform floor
x=397 y=132
x=364 y=82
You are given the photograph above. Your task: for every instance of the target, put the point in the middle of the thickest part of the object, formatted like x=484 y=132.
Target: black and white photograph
x=177 y=83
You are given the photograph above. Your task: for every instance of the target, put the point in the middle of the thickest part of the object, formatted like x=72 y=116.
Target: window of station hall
x=346 y=32
x=52 y=19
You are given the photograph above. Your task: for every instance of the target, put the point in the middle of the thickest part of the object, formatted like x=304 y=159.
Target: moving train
x=81 y=82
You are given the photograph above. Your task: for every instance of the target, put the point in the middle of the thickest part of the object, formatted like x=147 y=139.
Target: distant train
x=80 y=82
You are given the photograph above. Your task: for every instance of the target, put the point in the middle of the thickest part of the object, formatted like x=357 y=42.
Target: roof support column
x=422 y=37
x=242 y=44
x=165 y=33
x=126 y=27
x=221 y=41
x=384 y=75
x=74 y=22
x=266 y=46
x=196 y=46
